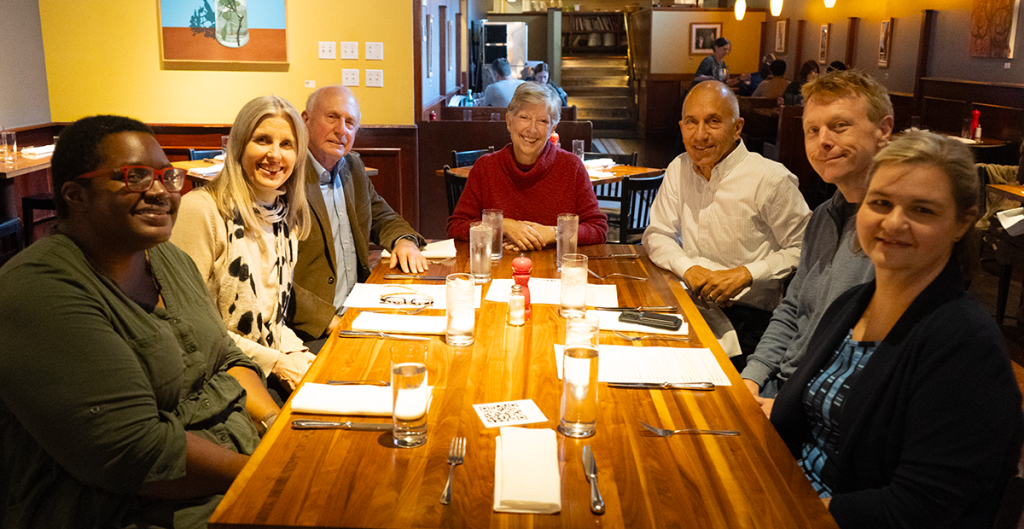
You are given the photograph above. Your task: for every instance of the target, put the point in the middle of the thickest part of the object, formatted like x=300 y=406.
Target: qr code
x=503 y=413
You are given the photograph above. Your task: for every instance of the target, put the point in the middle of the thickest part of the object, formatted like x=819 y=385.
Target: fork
x=614 y=274
x=669 y=433
x=456 y=454
x=625 y=336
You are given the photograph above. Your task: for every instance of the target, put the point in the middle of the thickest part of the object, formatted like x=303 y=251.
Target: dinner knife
x=590 y=468
x=371 y=334
x=415 y=276
x=640 y=309
x=615 y=256
x=304 y=424
x=696 y=386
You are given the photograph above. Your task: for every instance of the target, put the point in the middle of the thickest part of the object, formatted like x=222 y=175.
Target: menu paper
x=509 y=413
x=549 y=292
x=367 y=295
x=625 y=363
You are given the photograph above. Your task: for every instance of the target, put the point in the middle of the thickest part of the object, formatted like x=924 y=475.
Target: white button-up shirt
x=341 y=228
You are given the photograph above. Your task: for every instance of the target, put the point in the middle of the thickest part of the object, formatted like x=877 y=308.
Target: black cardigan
x=932 y=429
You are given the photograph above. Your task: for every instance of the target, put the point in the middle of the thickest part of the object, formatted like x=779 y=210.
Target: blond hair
x=850 y=83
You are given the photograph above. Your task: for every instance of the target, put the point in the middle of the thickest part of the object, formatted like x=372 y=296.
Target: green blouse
x=97 y=392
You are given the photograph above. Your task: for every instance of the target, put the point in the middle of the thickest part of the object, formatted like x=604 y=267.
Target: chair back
x=453 y=186
x=10 y=238
x=202 y=154
x=635 y=205
x=611 y=191
x=464 y=158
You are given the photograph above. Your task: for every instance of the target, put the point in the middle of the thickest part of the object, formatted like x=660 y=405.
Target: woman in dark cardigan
x=905 y=412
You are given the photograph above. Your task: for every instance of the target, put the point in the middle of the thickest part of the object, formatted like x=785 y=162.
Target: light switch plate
x=326 y=50
x=350 y=76
x=375 y=78
x=349 y=50
x=375 y=51
x=1006 y=65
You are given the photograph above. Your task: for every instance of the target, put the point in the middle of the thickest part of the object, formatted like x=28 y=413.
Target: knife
x=357 y=383
x=696 y=386
x=590 y=468
x=615 y=256
x=640 y=309
x=415 y=276
x=303 y=424
x=370 y=334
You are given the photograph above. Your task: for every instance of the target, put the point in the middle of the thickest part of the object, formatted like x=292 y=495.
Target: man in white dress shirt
x=727 y=221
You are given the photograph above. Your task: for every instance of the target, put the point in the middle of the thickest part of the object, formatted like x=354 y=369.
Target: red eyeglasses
x=139 y=178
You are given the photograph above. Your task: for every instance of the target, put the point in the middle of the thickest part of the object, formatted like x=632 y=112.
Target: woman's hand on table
x=526 y=235
x=291 y=366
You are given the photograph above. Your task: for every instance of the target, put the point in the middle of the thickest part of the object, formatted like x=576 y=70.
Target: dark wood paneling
x=923 y=52
x=903 y=108
x=943 y=115
x=395 y=148
x=790 y=151
x=484 y=113
x=851 y=41
x=664 y=104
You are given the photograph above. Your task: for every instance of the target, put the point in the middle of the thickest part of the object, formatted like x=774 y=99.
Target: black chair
x=464 y=158
x=611 y=191
x=10 y=238
x=203 y=154
x=29 y=205
x=635 y=207
x=453 y=186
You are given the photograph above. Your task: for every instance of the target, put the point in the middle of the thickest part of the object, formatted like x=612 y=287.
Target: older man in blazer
x=347 y=214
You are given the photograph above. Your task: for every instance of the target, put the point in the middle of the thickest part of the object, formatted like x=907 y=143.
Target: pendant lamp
x=830 y=3
x=776 y=7
x=741 y=9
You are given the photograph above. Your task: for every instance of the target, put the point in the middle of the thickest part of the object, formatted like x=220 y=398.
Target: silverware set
x=456 y=455
x=382 y=335
x=615 y=274
x=661 y=432
x=671 y=338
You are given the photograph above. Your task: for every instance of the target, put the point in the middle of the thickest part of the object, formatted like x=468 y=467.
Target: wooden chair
x=453 y=186
x=1008 y=248
x=611 y=191
x=465 y=158
x=10 y=238
x=635 y=206
x=203 y=154
x=29 y=205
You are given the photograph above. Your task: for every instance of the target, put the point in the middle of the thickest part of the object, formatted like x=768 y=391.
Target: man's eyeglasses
x=413 y=297
x=139 y=178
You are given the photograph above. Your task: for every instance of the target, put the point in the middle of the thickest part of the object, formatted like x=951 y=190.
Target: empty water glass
x=577 y=148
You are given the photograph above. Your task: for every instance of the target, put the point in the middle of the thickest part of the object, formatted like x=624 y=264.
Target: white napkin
x=526 y=475
x=598 y=163
x=399 y=323
x=968 y=141
x=435 y=250
x=609 y=321
x=212 y=170
x=326 y=399
x=45 y=150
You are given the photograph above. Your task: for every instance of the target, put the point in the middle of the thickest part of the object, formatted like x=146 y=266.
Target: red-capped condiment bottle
x=521 y=268
x=554 y=137
x=975 y=116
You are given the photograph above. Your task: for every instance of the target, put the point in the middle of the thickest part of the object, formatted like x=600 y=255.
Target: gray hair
x=537 y=94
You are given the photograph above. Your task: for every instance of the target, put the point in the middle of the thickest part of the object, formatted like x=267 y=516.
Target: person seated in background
x=531 y=180
x=835 y=66
x=499 y=93
x=123 y=402
x=727 y=221
x=763 y=72
x=776 y=84
x=792 y=95
x=905 y=411
x=347 y=214
x=542 y=75
x=242 y=230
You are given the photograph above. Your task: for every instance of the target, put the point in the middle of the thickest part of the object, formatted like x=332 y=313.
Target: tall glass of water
x=493 y=218
x=578 y=416
x=567 y=235
x=577 y=148
x=410 y=394
x=460 y=301
x=574 y=285
x=12 y=146
x=480 y=236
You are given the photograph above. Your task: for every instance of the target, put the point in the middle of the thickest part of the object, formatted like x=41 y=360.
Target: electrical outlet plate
x=326 y=50
x=349 y=50
x=1006 y=65
x=350 y=76
x=375 y=78
x=309 y=83
x=375 y=51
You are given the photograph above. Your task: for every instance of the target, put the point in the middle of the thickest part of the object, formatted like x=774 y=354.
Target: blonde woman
x=242 y=231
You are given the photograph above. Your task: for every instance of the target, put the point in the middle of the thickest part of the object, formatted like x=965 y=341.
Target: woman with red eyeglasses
x=123 y=402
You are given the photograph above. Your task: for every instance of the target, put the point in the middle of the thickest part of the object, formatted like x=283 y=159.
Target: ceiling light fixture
x=776 y=7
x=830 y=3
x=741 y=9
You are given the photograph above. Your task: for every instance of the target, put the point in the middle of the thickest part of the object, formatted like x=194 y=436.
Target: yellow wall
x=670 y=40
x=103 y=56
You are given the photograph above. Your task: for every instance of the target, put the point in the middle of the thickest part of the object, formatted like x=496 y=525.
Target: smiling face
x=711 y=125
x=126 y=219
x=530 y=128
x=841 y=141
x=332 y=125
x=908 y=221
x=269 y=156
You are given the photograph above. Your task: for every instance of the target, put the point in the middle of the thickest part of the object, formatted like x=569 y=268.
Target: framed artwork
x=702 y=37
x=781 y=35
x=826 y=29
x=993 y=27
x=885 y=43
x=207 y=33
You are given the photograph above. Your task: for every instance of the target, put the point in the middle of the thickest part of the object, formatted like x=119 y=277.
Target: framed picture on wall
x=194 y=35
x=885 y=43
x=826 y=30
x=702 y=37
x=781 y=35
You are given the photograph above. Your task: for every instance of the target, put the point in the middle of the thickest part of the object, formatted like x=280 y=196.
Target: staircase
x=599 y=87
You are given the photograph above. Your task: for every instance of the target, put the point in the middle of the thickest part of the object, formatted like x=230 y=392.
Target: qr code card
x=509 y=413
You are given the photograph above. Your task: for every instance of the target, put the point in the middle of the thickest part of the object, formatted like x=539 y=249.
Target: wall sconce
x=741 y=9
x=776 y=7
x=830 y=4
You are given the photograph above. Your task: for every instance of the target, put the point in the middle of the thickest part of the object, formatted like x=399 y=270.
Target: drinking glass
x=965 y=132
x=577 y=148
x=578 y=417
x=410 y=394
x=574 y=285
x=493 y=218
x=460 y=290
x=480 y=237
x=566 y=233
x=11 y=152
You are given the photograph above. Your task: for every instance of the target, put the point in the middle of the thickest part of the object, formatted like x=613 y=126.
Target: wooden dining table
x=1011 y=191
x=615 y=173
x=22 y=165
x=340 y=478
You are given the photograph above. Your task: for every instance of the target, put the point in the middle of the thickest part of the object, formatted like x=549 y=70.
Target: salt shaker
x=516 y=306
x=521 y=268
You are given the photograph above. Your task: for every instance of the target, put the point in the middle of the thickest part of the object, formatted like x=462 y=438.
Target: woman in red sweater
x=531 y=180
